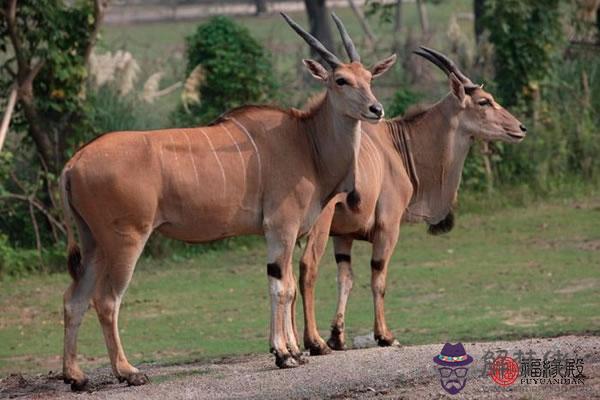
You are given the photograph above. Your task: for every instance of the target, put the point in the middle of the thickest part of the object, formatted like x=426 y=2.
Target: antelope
x=255 y=170
x=409 y=169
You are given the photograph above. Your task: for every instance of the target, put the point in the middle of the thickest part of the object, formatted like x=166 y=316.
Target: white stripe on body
x=218 y=161
x=235 y=121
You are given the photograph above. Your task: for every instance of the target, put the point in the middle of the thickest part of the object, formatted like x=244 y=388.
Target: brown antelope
x=256 y=170
x=408 y=169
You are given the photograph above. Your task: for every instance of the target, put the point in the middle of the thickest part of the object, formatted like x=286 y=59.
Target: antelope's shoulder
x=267 y=115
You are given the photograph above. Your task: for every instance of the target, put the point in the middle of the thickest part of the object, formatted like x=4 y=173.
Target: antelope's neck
x=335 y=142
x=433 y=153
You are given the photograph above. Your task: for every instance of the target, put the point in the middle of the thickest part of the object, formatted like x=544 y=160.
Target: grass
x=514 y=272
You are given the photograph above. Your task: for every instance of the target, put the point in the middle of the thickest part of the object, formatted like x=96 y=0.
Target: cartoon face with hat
x=452 y=363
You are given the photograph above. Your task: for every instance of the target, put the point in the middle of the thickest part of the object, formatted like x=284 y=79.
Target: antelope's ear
x=457 y=89
x=316 y=69
x=382 y=66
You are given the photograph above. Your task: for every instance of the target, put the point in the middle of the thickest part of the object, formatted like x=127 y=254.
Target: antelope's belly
x=203 y=222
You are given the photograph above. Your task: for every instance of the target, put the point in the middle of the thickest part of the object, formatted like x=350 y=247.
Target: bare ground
x=382 y=373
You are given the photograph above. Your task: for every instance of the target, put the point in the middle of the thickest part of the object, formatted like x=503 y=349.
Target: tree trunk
x=423 y=16
x=318 y=18
x=10 y=107
x=363 y=23
x=261 y=6
x=598 y=22
x=397 y=27
x=398 y=17
x=478 y=11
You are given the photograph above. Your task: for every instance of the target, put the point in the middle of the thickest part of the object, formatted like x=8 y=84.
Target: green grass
x=513 y=272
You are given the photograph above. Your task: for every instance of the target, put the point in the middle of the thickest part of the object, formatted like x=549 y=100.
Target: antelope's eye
x=341 y=81
x=484 y=102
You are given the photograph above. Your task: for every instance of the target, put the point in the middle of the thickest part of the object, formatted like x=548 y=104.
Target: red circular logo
x=504 y=371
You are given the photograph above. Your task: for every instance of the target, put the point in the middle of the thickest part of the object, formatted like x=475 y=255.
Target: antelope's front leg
x=383 y=247
x=282 y=291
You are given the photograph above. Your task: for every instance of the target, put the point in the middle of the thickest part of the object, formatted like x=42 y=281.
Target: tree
x=48 y=68
x=479 y=12
x=44 y=48
x=398 y=17
x=525 y=35
x=261 y=6
x=423 y=18
x=231 y=69
x=318 y=18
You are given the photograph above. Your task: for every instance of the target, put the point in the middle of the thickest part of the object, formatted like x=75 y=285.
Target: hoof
x=319 y=349
x=300 y=359
x=335 y=343
x=79 y=386
x=386 y=342
x=286 y=361
x=135 y=379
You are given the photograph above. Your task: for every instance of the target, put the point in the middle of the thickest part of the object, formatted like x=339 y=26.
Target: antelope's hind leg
x=309 y=266
x=76 y=302
x=117 y=267
x=343 y=250
x=383 y=247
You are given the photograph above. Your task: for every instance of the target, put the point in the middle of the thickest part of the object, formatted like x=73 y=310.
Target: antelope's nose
x=523 y=129
x=377 y=109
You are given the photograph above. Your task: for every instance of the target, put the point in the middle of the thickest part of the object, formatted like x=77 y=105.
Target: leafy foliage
x=43 y=49
x=526 y=35
x=237 y=70
x=402 y=100
x=58 y=35
x=556 y=98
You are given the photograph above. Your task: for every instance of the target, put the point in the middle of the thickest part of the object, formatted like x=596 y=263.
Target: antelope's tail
x=74 y=258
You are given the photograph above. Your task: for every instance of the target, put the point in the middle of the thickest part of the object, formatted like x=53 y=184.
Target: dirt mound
x=382 y=373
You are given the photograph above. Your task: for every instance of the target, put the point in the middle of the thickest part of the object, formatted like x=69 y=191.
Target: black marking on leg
x=353 y=200
x=377 y=265
x=274 y=270
x=339 y=257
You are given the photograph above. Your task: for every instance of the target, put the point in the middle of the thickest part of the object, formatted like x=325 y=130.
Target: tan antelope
x=256 y=170
x=408 y=169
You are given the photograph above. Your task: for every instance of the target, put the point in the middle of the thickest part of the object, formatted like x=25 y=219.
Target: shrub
x=18 y=262
x=526 y=35
x=237 y=71
x=402 y=100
